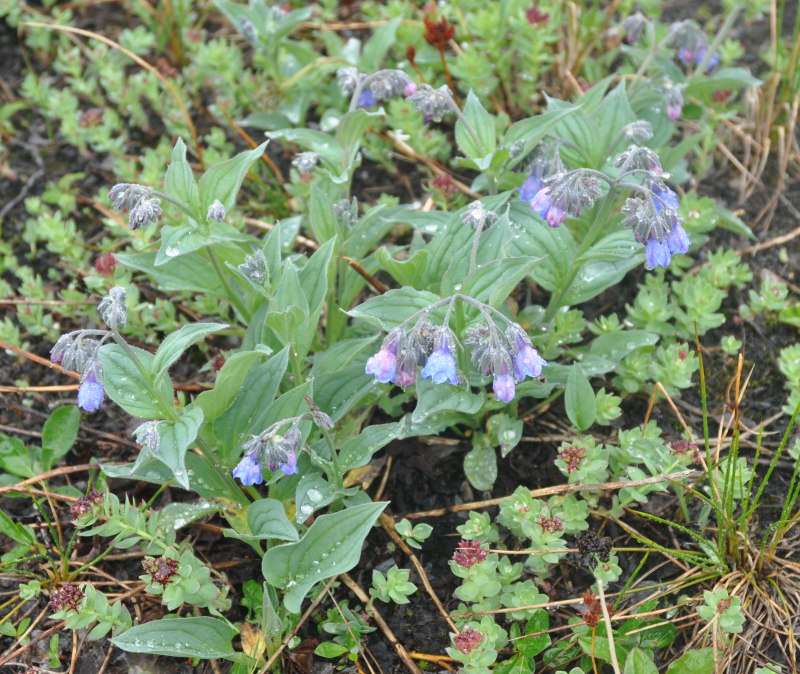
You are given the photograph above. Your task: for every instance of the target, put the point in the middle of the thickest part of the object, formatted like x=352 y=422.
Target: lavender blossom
x=673 y=99
x=544 y=205
x=527 y=361
x=367 y=99
x=657 y=224
x=248 y=470
x=383 y=365
x=90 y=393
x=441 y=365
x=503 y=383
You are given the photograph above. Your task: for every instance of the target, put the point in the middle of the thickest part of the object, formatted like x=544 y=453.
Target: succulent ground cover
x=360 y=336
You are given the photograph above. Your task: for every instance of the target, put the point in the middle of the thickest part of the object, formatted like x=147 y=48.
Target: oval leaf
x=579 y=399
x=179 y=637
x=332 y=545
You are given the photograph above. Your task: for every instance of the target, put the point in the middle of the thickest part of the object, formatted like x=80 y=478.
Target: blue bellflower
x=367 y=99
x=503 y=383
x=90 y=393
x=441 y=365
x=248 y=470
x=659 y=250
x=526 y=359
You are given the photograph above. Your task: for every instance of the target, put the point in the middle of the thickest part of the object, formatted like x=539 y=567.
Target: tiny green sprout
x=28 y=591
x=727 y=610
x=730 y=345
x=413 y=535
x=609 y=571
x=393 y=587
x=479 y=527
x=608 y=407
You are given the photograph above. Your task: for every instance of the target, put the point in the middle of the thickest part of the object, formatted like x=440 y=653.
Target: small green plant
x=393 y=587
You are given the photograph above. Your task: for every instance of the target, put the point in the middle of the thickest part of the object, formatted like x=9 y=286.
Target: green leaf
x=177 y=241
x=616 y=345
x=640 y=662
x=533 y=129
x=358 y=451
x=390 y=309
x=207 y=638
x=178 y=515
x=245 y=413
x=185 y=273
x=484 y=141
x=324 y=145
x=175 y=438
x=433 y=398
x=338 y=392
x=699 y=661
x=131 y=388
x=177 y=342
x=555 y=244
x=531 y=646
x=267 y=519
x=313 y=492
x=579 y=399
x=321 y=218
x=330 y=649
x=222 y=181
x=725 y=78
x=519 y=664
x=59 y=434
x=350 y=130
x=408 y=272
x=332 y=545
x=376 y=47
x=480 y=467
x=18 y=532
x=229 y=383
x=179 y=180
x=613 y=114
x=492 y=283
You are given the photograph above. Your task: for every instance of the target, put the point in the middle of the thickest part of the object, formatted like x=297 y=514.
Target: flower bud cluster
x=545 y=167
x=467 y=640
x=692 y=44
x=432 y=103
x=277 y=450
x=380 y=86
x=77 y=351
x=161 y=569
x=507 y=356
x=469 y=553
x=138 y=200
x=305 y=161
x=656 y=222
x=67 y=597
x=86 y=504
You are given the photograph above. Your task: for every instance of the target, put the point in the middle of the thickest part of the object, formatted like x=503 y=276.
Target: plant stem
x=233 y=298
x=595 y=229
x=609 y=629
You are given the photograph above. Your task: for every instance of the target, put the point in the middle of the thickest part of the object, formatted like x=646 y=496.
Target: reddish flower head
x=469 y=553
x=438 y=33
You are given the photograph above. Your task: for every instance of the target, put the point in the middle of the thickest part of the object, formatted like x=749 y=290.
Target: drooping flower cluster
x=673 y=101
x=656 y=223
x=78 y=350
x=138 y=200
x=505 y=355
x=277 y=450
x=692 y=44
x=592 y=612
x=432 y=103
x=508 y=357
x=371 y=89
x=538 y=188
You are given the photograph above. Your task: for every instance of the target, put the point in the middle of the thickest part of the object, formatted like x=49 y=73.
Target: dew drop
x=172 y=251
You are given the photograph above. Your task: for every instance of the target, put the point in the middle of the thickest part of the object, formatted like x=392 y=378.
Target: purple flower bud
x=90 y=393
x=674 y=112
x=542 y=204
x=384 y=363
x=248 y=470
x=503 y=385
x=686 y=55
x=405 y=378
x=441 y=365
x=410 y=89
x=216 y=212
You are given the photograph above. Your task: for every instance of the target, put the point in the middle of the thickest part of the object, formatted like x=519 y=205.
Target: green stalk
x=232 y=297
x=595 y=229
